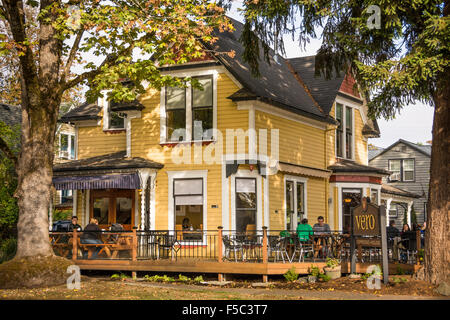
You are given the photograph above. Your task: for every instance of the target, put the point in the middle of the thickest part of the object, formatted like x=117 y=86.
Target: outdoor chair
x=302 y=248
x=277 y=245
x=168 y=242
x=231 y=245
x=410 y=248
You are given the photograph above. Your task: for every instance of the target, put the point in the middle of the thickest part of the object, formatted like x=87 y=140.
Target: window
x=408 y=170
x=67 y=146
x=395 y=167
x=348 y=132
x=339 y=132
x=176 y=113
x=295 y=203
x=115 y=121
x=66 y=196
x=202 y=109
x=402 y=170
x=188 y=197
x=245 y=203
x=374 y=197
x=190 y=113
x=393 y=211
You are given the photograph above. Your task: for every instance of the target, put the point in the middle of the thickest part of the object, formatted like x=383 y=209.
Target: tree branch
x=72 y=54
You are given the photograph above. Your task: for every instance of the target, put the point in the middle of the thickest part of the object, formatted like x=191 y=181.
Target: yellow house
x=244 y=152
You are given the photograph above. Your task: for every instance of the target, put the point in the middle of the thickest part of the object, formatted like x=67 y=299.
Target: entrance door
x=113 y=206
x=350 y=198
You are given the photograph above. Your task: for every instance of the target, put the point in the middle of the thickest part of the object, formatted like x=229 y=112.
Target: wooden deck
x=221 y=268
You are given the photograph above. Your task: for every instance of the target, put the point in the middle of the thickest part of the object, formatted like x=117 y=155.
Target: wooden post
x=264 y=245
x=134 y=246
x=74 y=245
x=383 y=214
x=418 y=244
x=219 y=244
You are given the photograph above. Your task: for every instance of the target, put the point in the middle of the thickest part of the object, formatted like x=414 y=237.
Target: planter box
x=333 y=273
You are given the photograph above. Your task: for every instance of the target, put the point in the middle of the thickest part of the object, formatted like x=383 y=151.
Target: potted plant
x=333 y=268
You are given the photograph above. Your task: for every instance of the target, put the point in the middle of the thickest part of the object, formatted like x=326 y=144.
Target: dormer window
x=115 y=121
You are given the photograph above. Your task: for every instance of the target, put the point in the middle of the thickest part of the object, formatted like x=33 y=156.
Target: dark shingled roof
x=86 y=111
x=324 y=91
x=10 y=115
x=347 y=166
x=396 y=191
x=276 y=85
x=109 y=161
x=126 y=106
x=374 y=153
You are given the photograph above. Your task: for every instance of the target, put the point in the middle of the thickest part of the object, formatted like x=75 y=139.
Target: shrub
x=198 y=279
x=120 y=276
x=324 y=277
x=8 y=249
x=314 y=271
x=291 y=275
x=157 y=278
x=332 y=262
x=183 y=278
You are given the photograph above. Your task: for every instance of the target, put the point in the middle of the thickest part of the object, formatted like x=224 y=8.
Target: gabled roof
x=277 y=85
x=374 y=153
x=10 y=115
x=424 y=149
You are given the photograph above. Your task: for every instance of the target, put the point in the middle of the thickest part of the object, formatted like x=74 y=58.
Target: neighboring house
x=410 y=167
x=127 y=169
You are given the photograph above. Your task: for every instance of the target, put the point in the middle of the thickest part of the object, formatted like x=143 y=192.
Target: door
x=350 y=198
x=295 y=204
x=113 y=206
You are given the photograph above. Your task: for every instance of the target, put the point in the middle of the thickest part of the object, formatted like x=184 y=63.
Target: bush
x=314 y=271
x=120 y=276
x=8 y=249
x=324 y=277
x=332 y=262
x=291 y=275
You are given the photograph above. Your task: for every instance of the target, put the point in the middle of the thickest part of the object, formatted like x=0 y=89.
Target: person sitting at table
x=321 y=227
x=304 y=231
x=393 y=237
x=74 y=225
x=186 y=225
x=91 y=235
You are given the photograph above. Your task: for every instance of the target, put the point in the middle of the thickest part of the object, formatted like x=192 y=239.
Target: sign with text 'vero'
x=366 y=220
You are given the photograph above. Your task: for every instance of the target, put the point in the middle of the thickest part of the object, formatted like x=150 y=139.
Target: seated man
x=321 y=228
x=74 y=225
x=91 y=235
x=393 y=236
x=304 y=231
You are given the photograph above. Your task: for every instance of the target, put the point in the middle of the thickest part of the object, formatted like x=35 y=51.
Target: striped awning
x=117 y=181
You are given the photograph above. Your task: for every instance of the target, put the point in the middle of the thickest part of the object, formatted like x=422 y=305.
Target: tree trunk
x=35 y=178
x=437 y=244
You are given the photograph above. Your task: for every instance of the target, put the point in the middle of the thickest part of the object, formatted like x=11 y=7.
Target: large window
x=202 y=109
x=188 y=197
x=176 y=113
x=245 y=204
x=402 y=170
x=67 y=146
x=189 y=112
x=344 y=131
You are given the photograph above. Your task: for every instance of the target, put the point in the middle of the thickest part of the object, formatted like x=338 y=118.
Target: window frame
x=255 y=210
x=213 y=73
x=402 y=170
x=210 y=77
x=296 y=180
x=343 y=130
x=70 y=146
x=176 y=109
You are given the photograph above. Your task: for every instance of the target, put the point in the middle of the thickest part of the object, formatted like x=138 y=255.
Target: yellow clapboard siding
x=93 y=141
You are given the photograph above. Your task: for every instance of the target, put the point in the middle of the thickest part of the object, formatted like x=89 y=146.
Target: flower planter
x=333 y=272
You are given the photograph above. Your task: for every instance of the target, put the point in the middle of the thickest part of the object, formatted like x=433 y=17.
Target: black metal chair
x=277 y=245
x=232 y=245
x=168 y=242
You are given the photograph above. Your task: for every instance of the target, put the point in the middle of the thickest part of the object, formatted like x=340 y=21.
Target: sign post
x=369 y=220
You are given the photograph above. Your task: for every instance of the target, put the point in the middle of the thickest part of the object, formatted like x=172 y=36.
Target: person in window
x=393 y=237
x=186 y=224
x=91 y=235
x=304 y=231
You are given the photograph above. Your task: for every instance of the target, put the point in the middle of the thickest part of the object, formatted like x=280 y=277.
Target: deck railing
x=260 y=246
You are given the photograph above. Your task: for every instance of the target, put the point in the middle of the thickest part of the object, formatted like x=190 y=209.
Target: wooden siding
x=421 y=174
x=93 y=141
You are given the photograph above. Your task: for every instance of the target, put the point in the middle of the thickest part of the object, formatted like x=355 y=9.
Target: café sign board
x=366 y=221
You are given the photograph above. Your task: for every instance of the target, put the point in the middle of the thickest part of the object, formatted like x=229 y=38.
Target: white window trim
x=69 y=145
x=346 y=103
x=413 y=170
x=171 y=207
x=296 y=179
x=247 y=174
x=197 y=73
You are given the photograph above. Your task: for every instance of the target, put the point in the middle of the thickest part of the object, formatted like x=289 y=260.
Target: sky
x=413 y=124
